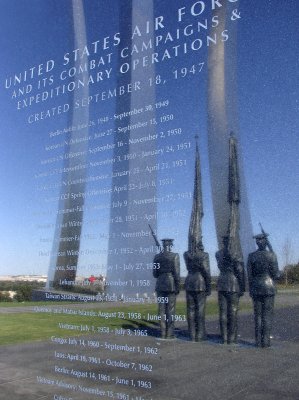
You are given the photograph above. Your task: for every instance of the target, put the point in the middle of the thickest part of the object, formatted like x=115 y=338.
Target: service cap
x=167 y=241
x=261 y=236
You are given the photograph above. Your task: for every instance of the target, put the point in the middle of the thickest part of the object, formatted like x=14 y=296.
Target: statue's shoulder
x=272 y=256
x=219 y=254
x=262 y=255
x=202 y=256
x=252 y=255
x=158 y=256
x=169 y=255
x=257 y=253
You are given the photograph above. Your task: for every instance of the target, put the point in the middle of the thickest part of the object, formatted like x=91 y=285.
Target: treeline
x=15 y=285
x=23 y=290
x=290 y=274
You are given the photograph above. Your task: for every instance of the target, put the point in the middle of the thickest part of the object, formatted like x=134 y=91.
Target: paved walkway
x=180 y=370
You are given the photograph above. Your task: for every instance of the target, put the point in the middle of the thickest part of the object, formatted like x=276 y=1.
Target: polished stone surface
x=214 y=370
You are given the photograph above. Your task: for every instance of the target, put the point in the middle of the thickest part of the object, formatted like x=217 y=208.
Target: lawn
x=31 y=326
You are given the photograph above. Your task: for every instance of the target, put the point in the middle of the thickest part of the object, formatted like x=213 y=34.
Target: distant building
x=24 y=278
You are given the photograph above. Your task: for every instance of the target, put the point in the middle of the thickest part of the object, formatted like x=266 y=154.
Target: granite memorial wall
x=108 y=102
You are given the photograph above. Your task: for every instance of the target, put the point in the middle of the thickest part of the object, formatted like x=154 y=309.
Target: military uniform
x=230 y=286
x=197 y=286
x=263 y=270
x=167 y=286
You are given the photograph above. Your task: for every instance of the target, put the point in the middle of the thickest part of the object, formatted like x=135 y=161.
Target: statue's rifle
x=264 y=233
x=155 y=238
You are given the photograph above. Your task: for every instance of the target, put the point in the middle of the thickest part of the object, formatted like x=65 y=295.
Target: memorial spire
x=222 y=106
x=66 y=252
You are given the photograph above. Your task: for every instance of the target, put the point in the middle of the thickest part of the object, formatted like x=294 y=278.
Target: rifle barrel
x=155 y=237
x=264 y=233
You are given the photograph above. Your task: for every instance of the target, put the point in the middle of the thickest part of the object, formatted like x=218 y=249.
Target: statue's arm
x=273 y=267
x=177 y=273
x=219 y=260
x=207 y=274
x=240 y=274
x=249 y=273
x=187 y=261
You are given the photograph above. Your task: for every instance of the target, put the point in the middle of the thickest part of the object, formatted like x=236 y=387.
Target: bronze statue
x=230 y=286
x=231 y=281
x=198 y=287
x=198 y=280
x=167 y=273
x=262 y=270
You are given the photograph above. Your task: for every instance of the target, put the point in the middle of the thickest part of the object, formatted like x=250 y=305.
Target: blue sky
x=268 y=101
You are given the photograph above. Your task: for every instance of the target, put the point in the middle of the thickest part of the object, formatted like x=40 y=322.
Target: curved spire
x=76 y=116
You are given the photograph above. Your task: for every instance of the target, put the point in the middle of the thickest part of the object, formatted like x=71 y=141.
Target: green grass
x=28 y=327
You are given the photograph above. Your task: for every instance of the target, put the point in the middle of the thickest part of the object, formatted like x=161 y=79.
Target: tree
x=293 y=273
x=287 y=251
x=4 y=296
x=24 y=293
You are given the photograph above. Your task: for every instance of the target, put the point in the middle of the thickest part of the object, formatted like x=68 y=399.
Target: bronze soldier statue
x=198 y=287
x=230 y=286
x=262 y=270
x=167 y=274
